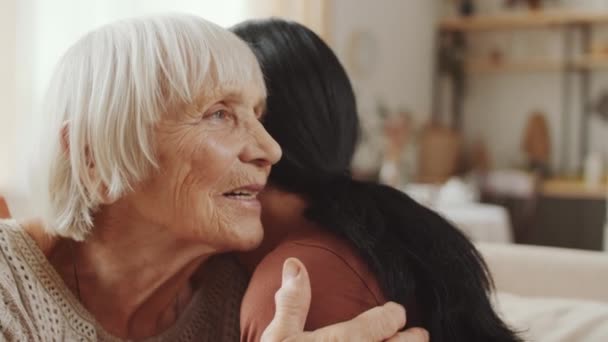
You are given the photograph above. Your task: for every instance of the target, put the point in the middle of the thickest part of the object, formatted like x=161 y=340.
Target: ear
x=102 y=191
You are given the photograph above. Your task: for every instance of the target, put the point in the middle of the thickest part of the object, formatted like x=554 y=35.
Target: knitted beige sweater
x=36 y=305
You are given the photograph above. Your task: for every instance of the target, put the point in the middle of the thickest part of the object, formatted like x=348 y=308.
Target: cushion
x=554 y=319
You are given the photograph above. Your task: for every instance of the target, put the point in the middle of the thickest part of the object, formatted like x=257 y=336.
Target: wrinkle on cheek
x=212 y=160
x=177 y=138
x=186 y=142
x=181 y=193
x=176 y=174
x=223 y=222
x=216 y=221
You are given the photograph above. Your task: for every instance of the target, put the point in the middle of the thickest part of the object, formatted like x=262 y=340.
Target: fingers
x=377 y=324
x=411 y=335
x=292 y=302
x=382 y=322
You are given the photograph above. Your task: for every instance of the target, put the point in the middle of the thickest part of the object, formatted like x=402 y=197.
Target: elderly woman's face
x=214 y=160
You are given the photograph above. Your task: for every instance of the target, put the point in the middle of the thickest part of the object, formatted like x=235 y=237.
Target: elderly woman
x=151 y=159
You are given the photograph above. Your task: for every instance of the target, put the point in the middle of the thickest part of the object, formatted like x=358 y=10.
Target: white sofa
x=551 y=294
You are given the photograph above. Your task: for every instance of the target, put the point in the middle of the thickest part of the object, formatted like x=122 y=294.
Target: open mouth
x=246 y=193
x=241 y=195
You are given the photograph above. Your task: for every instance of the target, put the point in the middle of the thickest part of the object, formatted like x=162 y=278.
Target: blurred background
x=492 y=112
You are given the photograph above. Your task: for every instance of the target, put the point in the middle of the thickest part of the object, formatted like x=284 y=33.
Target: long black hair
x=419 y=258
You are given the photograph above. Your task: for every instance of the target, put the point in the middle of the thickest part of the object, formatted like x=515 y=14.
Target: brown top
x=36 y=305
x=342 y=284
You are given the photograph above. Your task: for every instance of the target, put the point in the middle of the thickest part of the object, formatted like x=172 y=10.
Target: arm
x=341 y=289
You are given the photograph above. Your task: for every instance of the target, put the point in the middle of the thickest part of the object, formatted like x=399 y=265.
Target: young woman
x=362 y=243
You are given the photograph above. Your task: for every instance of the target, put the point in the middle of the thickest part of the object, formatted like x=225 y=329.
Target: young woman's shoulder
x=342 y=284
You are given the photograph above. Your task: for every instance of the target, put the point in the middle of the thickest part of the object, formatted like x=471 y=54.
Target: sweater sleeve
x=342 y=287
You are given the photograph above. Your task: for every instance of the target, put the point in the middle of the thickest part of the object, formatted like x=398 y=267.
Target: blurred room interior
x=492 y=112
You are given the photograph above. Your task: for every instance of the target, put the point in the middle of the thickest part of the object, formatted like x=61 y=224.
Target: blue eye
x=219 y=114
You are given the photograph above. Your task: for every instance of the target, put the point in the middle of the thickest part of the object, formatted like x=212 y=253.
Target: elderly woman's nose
x=263 y=149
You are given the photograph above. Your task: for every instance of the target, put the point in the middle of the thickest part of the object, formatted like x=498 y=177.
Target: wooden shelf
x=478 y=66
x=575 y=189
x=591 y=63
x=528 y=65
x=522 y=20
x=574 y=59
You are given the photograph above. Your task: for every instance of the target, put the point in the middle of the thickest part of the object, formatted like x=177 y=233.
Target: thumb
x=292 y=302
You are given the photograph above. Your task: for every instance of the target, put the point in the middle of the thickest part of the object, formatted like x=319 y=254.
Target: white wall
x=402 y=60
x=7 y=85
x=404 y=34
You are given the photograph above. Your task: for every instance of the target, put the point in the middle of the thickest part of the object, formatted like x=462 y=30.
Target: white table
x=480 y=222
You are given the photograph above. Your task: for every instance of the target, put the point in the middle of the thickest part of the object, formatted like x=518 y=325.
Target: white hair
x=109 y=90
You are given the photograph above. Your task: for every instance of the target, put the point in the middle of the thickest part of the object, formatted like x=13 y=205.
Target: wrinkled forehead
x=235 y=71
x=243 y=92
x=235 y=75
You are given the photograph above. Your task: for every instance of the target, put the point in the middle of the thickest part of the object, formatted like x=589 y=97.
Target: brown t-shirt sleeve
x=341 y=283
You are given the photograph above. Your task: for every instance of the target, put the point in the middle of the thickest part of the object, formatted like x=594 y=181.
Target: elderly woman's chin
x=237 y=229
x=242 y=228
x=230 y=226
x=244 y=234
x=247 y=237
x=234 y=224
x=225 y=229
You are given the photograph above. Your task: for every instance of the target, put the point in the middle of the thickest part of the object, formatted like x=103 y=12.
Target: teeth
x=241 y=194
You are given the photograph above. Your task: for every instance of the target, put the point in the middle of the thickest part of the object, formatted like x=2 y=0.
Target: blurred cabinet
x=568 y=222
x=569 y=214
x=563 y=213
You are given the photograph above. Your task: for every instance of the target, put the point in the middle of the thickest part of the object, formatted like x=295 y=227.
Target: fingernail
x=291 y=269
x=397 y=310
x=425 y=334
